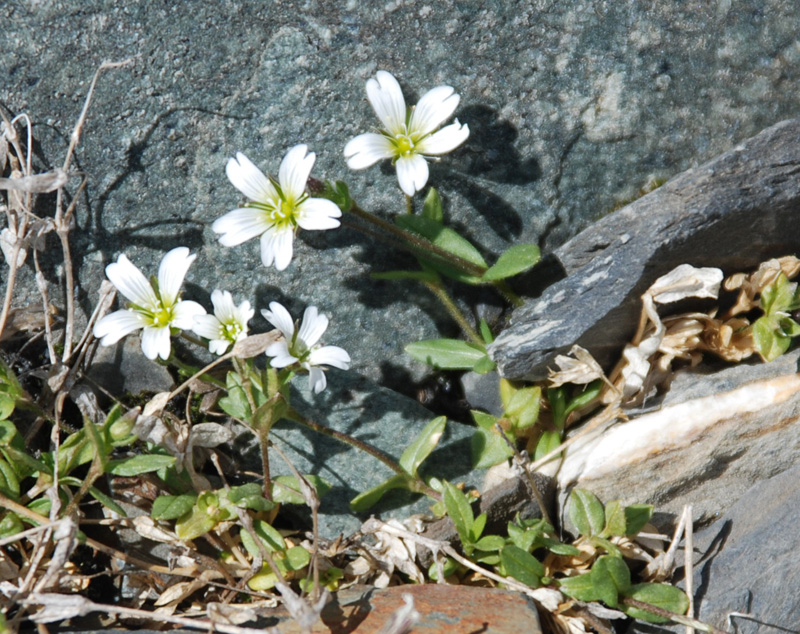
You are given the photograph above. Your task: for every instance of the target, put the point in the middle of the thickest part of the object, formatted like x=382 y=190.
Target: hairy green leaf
x=286 y=489
x=432 y=207
x=586 y=512
x=171 y=507
x=422 y=446
x=516 y=260
x=447 y=354
x=460 y=511
x=367 y=499
x=660 y=595
x=487 y=445
x=143 y=463
x=521 y=565
x=636 y=517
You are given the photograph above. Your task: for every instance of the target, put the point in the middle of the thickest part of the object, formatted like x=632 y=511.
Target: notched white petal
x=279 y=317
x=131 y=282
x=445 y=140
x=155 y=342
x=434 y=108
x=412 y=173
x=316 y=380
x=249 y=180
x=318 y=214
x=171 y=272
x=184 y=314
x=386 y=98
x=295 y=170
x=115 y=326
x=313 y=327
x=207 y=326
x=240 y=225
x=367 y=149
x=330 y=355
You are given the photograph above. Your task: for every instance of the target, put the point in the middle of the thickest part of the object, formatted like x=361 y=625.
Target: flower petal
x=115 y=326
x=316 y=380
x=218 y=346
x=386 y=97
x=445 y=140
x=294 y=171
x=130 y=281
x=250 y=180
x=412 y=173
x=240 y=225
x=367 y=149
x=434 y=108
x=317 y=214
x=279 y=317
x=207 y=326
x=173 y=268
x=313 y=326
x=184 y=313
x=155 y=342
x=279 y=351
x=276 y=246
x=330 y=355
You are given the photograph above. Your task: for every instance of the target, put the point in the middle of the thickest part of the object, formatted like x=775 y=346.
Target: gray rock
x=572 y=105
x=750 y=562
x=713 y=436
x=378 y=416
x=731 y=213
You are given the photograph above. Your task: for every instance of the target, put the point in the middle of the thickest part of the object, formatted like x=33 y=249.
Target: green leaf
x=449 y=567
x=417 y=276
x=423 y=445
x=270 y=537
x=591 y=392
x=557 y=397
x=484 y=365
x=297 y=558
x=636 y=517
x=7 y=405
x=476 y=530
x=443 y=237
x=521 y=565
x=447 y=354
x=97 y=439
x=523 y=407
x=74 y=451
x=660 y=595
x=778 y=296
x=586 y=512
x=516 y=260
x=559 y=548
x=143 y=463
x=235 y=403
x=250 y=496
x=547 y=442
x=196 y=523
x=286 y=489
x=171 y=507
x=107 y=501
x=9 y=484
x=10 y=525
x=615 y=519
x=608 y=578
x=486 y=332
x=366 y=500
x=432 y=208
x=490 y=543
x=769 y=343
x=460 y=511
x=488 y=446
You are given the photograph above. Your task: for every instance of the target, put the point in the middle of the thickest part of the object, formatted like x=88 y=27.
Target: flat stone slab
x=731 y=213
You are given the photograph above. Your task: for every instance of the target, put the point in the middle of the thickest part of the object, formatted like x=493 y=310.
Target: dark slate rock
x=732 y=213
x=573 y=105
x=750 y=562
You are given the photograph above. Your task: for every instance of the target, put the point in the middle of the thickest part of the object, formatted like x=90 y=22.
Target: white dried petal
x=686 y=281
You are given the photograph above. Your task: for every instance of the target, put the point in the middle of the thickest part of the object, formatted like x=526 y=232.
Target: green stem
x=418 y=245
x=409 y=204
x=454 y=311
x=192 y=370
x=360 y=444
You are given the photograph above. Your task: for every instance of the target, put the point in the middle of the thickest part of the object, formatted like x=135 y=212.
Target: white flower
x=155 y=308
x=276 y=208
x=407 y=137
x=227 y=325
x=301 y=347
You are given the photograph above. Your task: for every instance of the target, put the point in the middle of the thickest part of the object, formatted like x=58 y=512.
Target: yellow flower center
x=403 y=144
x=162 y=316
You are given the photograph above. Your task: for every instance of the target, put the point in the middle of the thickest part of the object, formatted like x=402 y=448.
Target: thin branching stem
x=376 y=453
x=444 y=297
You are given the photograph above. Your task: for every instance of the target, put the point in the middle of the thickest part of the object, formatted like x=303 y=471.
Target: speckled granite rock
x=572 y=105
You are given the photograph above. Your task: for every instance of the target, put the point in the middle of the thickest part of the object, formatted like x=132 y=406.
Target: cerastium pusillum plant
x=260 y=367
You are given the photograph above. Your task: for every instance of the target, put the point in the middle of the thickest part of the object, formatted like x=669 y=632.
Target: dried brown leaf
x=581 y=369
